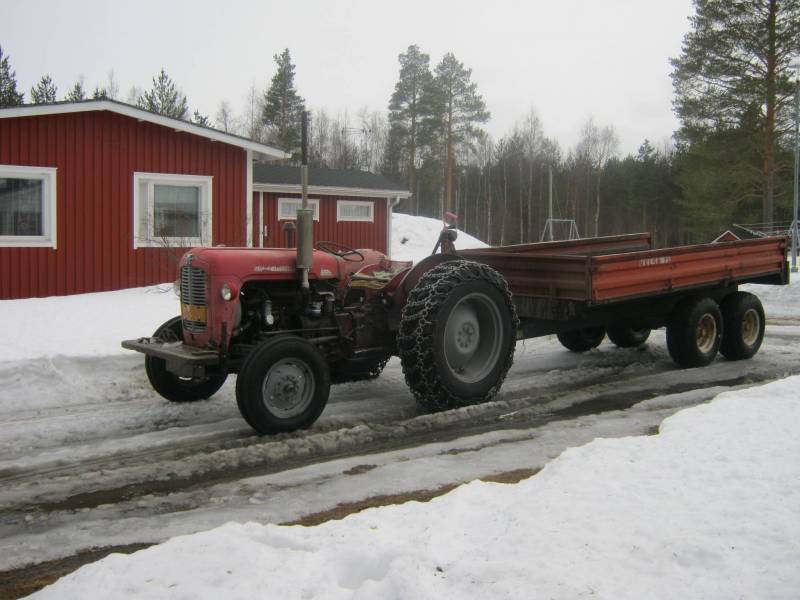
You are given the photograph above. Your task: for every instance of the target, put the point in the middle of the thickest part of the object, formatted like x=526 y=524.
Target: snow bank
x=84 y=324
x=780 y=301
x=710 y=508
x=413 y=238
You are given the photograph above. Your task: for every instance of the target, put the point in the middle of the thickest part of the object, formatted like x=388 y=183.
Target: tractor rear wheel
x=457 y=335
x=169 y=385
x=283 y=385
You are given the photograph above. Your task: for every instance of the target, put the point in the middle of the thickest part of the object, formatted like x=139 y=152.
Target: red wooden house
x=100 y=195
x=350 y=207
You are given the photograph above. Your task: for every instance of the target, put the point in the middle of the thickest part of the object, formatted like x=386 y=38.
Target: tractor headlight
x=226 y=292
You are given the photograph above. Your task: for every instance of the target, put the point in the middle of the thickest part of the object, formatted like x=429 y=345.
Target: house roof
x=281 y=178
x=55 y=108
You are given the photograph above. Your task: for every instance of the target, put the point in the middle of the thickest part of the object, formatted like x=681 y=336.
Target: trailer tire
x=457 y=335
x=743 y=326
x=627 y=337
x=694 y=332
x=348 y=370
x=169 y=385
x=581 y=340
x=283 y=385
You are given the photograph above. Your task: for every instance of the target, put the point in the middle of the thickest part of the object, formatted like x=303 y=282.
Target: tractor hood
x=264 y=263
x=277 y=263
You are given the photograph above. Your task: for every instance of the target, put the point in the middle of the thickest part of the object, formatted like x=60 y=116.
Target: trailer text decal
x=657 y=260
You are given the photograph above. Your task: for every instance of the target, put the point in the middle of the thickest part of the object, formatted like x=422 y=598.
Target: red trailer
x=453 y=318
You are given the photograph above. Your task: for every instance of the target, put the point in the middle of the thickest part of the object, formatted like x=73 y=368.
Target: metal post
x=305 y=215
x=550 y=201
x=795 y=235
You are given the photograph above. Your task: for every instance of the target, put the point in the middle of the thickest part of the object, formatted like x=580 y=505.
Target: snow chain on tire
x=415 y=339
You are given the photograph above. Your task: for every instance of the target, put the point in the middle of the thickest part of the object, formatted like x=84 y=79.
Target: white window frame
x=142 y=238
x=47 y=175
x=343 y=203
x=313 y=203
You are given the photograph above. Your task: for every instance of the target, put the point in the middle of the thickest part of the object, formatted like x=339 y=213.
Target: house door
x=262 y=232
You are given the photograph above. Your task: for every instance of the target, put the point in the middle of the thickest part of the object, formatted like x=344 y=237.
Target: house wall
x=96 y=154
x=356 y=234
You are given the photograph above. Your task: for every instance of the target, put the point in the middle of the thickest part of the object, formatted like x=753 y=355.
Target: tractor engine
x=234 y=298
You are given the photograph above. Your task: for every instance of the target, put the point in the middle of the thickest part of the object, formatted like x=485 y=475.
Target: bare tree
x=596 y=146
x=112 y=87
x=533 y=139
x=224 y=118
x=134 y=94
x=374 y=133
x=253 y=107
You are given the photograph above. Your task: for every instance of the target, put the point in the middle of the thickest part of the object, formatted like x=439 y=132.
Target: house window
x=287 y=208
x=171 y=210
x=27 y=206
x=355 y=210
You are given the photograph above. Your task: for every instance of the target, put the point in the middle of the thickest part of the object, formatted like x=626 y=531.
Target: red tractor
x=289 y=335
x=289 y=323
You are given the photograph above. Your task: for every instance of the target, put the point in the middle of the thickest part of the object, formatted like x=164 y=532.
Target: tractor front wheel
x=169 y=385
x=283 y=385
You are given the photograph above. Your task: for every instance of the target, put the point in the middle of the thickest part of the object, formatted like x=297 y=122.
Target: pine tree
x=454 y=108
x=8 y=84
x=283 y=106
x=76 y=93
x=736 y=59
x=43 y=92
x=99 y=93
x=200 y=119
x=164 y=98
x=406 y=112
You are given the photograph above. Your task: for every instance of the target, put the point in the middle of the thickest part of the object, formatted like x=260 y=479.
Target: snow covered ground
x=90 y=456
x=709 y=508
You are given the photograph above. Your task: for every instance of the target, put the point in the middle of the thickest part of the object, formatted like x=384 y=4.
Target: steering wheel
x=341 y=251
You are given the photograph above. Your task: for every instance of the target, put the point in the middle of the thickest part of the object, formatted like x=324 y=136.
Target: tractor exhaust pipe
x=305 y=215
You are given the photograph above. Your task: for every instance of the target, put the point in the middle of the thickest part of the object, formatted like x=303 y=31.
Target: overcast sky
x=568 y=59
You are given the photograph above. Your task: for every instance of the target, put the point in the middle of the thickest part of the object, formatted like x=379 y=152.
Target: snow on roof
x=121 y=108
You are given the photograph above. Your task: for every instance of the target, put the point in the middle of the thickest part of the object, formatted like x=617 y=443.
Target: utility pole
x=795 y=235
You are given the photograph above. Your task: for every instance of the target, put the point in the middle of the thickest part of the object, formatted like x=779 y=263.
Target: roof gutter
x=322 y=190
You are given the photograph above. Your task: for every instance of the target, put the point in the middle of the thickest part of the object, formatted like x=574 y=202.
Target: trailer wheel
x=694 y=332
x=743 y=326
x=283 y=385
x=169 y=385
x=627 y=337
x=457 y=335
x=348 y=370
x=582 y=340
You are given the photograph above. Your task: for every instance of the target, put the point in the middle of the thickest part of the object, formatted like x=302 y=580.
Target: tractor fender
x=414 y=274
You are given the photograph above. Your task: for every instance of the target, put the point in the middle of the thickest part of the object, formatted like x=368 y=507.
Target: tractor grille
x=193 y=298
